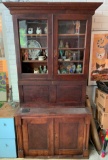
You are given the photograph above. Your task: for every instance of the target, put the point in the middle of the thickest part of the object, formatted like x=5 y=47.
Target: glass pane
x=72 y=27
x=33 y=46
x=71 y=46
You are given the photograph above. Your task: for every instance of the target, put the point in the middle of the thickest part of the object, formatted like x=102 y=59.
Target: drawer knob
x=4 y=124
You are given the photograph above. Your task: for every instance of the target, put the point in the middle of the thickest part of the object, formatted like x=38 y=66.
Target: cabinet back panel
x=36 y=93
x=69 y=94
x=60 y=93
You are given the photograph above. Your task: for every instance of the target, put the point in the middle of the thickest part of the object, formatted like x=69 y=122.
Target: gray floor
x=95 y=156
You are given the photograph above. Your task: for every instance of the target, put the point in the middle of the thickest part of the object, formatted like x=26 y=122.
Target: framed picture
x=98 y=67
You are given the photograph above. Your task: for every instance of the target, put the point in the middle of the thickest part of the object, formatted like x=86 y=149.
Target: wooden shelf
x=75 y=35
x=79 y=61
x=71 y=48
x=34 y=61
x=36 y=35
x=70 y=73
x=36 y=48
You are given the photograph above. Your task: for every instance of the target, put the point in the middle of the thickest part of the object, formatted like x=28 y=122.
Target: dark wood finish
x=55 y=122
x=24 y=8
x=53 y=92
x=69 y=134
x=18 y=126
x=50 y=131
x=37 y=136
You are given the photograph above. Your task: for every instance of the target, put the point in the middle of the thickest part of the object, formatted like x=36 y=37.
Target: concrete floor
x=95 y=156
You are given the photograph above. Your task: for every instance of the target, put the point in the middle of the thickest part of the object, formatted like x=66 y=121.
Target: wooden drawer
x=7 y=148
x=7 y=128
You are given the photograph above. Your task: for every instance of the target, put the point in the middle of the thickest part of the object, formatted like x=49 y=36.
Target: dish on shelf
x=67 y=59
x=60 y=59
x=34 y=50
x=33 y=54
x=33 y=44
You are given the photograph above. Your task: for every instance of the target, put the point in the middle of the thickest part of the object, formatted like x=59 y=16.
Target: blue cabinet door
x=7 y=148
x=7 y=129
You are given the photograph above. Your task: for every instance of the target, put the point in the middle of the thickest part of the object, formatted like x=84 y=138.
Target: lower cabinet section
x=54 y=133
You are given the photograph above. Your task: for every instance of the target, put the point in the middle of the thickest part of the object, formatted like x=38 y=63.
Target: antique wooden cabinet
x=52 y=51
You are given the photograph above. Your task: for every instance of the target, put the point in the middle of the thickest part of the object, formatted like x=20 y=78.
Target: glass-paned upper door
x=71 y=46
x=33 y=41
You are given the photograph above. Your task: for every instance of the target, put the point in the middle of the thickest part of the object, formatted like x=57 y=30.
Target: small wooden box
x=101 y=100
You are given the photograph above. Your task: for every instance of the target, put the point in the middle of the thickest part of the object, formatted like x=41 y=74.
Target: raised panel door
x=37 y=136
x=69 y=134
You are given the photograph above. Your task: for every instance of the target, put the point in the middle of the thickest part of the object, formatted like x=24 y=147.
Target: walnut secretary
x=52 y=52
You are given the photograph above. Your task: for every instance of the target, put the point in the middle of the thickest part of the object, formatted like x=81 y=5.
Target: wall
x=100 y=22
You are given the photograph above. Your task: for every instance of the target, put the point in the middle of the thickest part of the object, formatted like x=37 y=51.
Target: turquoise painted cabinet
x=7 y=138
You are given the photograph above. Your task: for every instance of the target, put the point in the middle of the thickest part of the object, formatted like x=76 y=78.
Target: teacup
x=41 y=58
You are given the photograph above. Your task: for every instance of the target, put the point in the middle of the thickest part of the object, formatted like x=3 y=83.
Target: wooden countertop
x=7 y=110
x=53 y=111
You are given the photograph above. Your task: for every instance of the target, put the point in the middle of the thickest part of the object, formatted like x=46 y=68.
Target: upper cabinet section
x=52 y=39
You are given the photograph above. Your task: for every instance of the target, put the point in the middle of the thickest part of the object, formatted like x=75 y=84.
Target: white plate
x=33 y=52
x=66 y=59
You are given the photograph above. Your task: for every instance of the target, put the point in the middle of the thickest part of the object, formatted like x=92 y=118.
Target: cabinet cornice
x=34 y=7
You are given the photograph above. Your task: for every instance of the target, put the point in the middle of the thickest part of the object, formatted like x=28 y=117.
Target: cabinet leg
x=20 y=154
x=86 y=153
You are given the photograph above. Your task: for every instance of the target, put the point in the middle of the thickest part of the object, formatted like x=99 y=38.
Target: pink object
x=107 y=131
x=103 y=154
